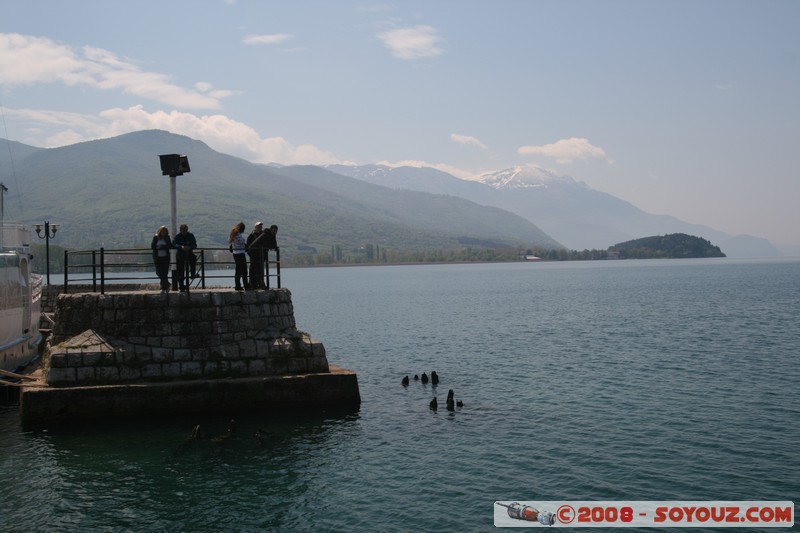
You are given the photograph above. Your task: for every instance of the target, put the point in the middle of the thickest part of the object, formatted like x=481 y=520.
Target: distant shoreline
x=413 y=263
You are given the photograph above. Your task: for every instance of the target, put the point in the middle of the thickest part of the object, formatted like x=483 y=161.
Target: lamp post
x=3 y=191
x=49 y=232
x=174 y=165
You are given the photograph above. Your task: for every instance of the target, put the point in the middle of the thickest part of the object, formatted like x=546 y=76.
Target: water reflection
x=153 y=474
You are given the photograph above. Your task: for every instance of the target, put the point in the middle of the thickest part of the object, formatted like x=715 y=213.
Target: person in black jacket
x=185 y=243
x=272 y=237
x=161 y=246
x=257 y=243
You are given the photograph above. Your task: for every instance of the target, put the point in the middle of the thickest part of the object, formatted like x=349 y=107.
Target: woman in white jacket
x=237 y=244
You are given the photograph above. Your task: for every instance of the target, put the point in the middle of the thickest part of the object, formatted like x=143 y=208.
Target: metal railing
x=103 y=267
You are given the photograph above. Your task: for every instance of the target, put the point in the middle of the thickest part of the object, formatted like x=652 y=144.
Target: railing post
x=203 y=269
x=102 y=271
x=66 y=270
x=266 y=266
x=94 y=270
x=278 y=265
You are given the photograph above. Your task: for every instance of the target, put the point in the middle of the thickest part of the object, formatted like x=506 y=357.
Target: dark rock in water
x=190 y=442
x=229 y=433
x=451 y=403
x=434 y=378
x=434 y=404
x=424 y=377
x=416 y=377
x=459 y=403
x=405 y=381
x=194 y=436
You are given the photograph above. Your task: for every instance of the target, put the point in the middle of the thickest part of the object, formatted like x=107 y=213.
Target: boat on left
x=20 y=299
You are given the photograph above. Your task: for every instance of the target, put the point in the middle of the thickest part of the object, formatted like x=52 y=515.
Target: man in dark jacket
x=272 y=238
x=257 y=246
x=186 y=260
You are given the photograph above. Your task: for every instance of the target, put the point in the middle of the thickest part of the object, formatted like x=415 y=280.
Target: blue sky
x=689 y=108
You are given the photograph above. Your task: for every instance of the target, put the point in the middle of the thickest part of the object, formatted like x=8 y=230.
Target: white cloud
x=450 y=169
x=26 y=59
x=205 y=87
x=468 y=140
x=218 y=131
x=55 y=118
x=66 y=137
x=273 y=38
x=565 y=150
x=412 y=43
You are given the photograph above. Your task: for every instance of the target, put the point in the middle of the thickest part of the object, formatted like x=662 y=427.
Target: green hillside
x=111 y=193
x=673 y=246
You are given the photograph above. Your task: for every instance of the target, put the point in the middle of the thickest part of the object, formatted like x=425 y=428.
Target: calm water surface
x=630 y=380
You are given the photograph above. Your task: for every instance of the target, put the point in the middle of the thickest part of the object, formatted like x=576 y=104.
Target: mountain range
x=110 y=192
x=569 y=211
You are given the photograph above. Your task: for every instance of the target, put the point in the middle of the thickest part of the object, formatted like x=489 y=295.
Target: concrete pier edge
x=136 y=352
x=337 y=388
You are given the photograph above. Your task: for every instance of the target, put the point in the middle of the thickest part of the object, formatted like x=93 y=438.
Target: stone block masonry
x=144 y=336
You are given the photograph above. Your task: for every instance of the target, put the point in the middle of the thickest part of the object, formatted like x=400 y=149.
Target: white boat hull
x=20 y=305
x=18 y=349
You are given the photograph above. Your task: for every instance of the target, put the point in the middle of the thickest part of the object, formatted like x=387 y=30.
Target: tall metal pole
x=47 y=248
x=3 y=191
x=174 y=206
x=174 y=165
x=46 y=238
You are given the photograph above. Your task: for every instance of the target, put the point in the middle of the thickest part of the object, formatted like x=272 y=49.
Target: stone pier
x=142 y=352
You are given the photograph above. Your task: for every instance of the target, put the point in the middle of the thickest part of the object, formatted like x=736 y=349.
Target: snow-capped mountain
x=525 y=177
x=570 y=211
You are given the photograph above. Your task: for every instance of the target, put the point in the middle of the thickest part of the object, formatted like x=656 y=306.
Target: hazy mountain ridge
x=570 y=211
x=526 y=178
x=448 y=213
x=111 y=193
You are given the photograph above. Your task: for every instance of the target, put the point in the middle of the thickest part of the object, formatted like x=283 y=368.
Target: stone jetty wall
x=50 y=295
x=144 y=336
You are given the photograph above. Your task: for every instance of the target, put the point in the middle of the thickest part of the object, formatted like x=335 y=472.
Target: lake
x=606 y=380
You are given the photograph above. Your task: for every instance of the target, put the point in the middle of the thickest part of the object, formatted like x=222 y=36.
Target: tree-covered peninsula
x=673 y=246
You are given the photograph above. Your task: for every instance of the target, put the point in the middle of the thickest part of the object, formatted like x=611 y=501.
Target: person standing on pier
x=186 y=244
x=272 y=238
x=161 y=246
x=257 y=248
x=271 y=244
x=237 y=245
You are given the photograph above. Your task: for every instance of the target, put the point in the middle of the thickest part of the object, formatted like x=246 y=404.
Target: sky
x=689 y=108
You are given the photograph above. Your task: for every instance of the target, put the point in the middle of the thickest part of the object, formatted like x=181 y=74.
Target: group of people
x=185 y=244
x=256 y=245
